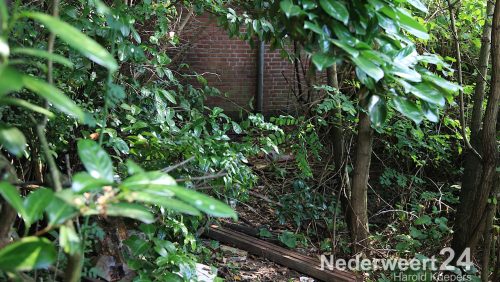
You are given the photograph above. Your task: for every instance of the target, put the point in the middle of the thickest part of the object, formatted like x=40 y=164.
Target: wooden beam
x=296 y=261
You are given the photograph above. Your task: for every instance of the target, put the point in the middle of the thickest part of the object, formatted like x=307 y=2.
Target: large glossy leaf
x=368 y=67
x=425 y=91
x=377 y=109
x=35 y=204
x=313 y=26
x=133 y=168
x=408 y=109
x=11 y=195
x=96 y=161
x=27 y=254
x=76 y=39
x=335 y=9
x=203 y=202
x=431 y=112
x=11 y=80
x=25 y=104
x=53 y=95
x=69 y=239
x=442 y=83
x=58 y=211
x=44 y=55
x=418 y=4
x=322 y=61
x=407 y=56
x=83 y=182
x=165 y=202
x=429 y=93
x=406 y=73
x=290 y=9
x=406 y=21
x=153 y=181
x=12 y=139
x=134 y=211
x=345 y=46
x=4 y=14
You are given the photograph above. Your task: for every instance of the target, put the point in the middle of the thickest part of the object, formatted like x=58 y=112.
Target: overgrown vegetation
x=107 y=144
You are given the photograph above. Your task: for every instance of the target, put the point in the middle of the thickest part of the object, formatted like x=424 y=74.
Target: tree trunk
x=472 y=164
x=338 y=139
x=472 y=228
x=488 y=231
x=359 y=218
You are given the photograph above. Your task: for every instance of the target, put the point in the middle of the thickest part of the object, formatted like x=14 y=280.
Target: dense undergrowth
x=122 y=140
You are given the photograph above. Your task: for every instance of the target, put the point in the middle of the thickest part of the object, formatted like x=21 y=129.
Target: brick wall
x=231 y=66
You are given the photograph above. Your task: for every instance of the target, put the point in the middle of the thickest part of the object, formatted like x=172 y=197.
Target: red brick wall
x=231 y=66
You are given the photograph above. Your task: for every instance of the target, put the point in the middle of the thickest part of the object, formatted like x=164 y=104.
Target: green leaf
x=322 y=61
x=4 y=15
x=153 y=181
x=377 y=110
x=368 y=67
x=27 y=105
x=53 y=95
x=35 y=204
x=335 y=9
x=134 y=211
x=309 y=4
x=203 y=202
x=96 y=161
x=27 y=254
x=407 y=56
x=442 y=83
x=76 y=39
x=137 y=245
x=11 y=80
x=13 y=140
x=407 y=22
x=406 y=73
x=290 y=9
x=133 y=168
x=408 y=109
x=236 y=127
x=425 y=219
x=69 y=239
x=58 y=211
x=417 y=4
x=44 y=55
x=289 y=239
x=313 y=26
x=169 y=96
x=263 y=232
x=431 y=112
x=345 y=46
x=165 y=202
x=425 y=91
x=11 y=195
x=83 y=182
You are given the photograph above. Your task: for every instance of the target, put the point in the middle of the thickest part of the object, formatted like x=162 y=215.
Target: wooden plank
x=294 y=260
x=275 y=248
x=299 y=262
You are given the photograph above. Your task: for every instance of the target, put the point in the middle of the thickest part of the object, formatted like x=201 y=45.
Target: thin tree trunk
x=484 y=58
x=488 y=232
x=359 y=189
x=338 y=139
x=477 y=217
x=472 y=164
x=496 y=273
